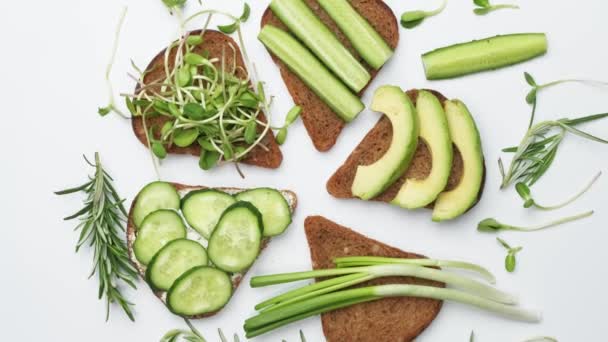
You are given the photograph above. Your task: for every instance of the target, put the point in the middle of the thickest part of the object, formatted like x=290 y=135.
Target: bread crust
x=322 y=124
x=290 y=196
x=214 y=42
x=390 y=319
x=375 y=144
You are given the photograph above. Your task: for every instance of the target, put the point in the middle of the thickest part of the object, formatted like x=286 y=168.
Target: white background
x=51 y=71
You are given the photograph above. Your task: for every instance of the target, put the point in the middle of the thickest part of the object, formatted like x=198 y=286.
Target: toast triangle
x=290 y=197
x=389 y=319
x=375 y=144
x=214 y=41
x=322 y=124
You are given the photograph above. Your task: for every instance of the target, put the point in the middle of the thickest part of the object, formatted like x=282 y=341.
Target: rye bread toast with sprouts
x=290 y=197
x=322 y=124
x=389 y=319
x=375 y=144
x=267 y=154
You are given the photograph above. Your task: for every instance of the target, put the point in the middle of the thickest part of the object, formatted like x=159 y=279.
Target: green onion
x=370 y=260
x=368 y=43
x=332 y=294
x=307 y=27
x=312 y=72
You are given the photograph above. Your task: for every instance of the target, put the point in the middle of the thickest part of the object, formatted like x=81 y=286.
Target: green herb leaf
x=482 y=11
x=529 y=79
x=208 y=159
x=281 y=136
x=185 y=137
x=194 y=40
x=130 y=106
x=103 y=111
x=194 y=111
x=510 y=262
x=167 y=126
x=183 y=76
x=228 y=29
x=293 y=115
x=412 y=18
x=174 y=3
x=531 y=96
x=246 y=13
x=194 y=59
x=251 y=132
x=159 y=150
x=489 y=225
x=482 y=3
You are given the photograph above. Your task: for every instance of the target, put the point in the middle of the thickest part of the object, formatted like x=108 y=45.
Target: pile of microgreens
x=411 y=19
x=193 y=335
x=201 y=100
x=484 y=7
x=101 y=226
x=336 y=292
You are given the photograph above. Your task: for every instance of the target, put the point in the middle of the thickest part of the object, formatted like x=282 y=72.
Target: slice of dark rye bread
x=289 y=196
x=214 y=42
x=322 y=124
x=396 y=319
x=375 y=144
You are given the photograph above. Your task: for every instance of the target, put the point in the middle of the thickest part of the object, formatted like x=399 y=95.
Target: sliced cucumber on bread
x=447 y=163
x=197 y=253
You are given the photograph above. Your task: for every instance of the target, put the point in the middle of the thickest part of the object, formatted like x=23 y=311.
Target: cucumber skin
x=321 y=41
x=312 y=72
x=151 y=263
x=439 y=64
x=284 y=200
x=364 y=38
x=194 y=192
x=187 y=273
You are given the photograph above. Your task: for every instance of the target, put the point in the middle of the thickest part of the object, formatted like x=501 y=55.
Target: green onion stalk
x=335 y=293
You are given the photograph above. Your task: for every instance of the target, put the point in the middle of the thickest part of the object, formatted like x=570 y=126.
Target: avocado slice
x=465 y=136
x=371 y=180
x=418 y=193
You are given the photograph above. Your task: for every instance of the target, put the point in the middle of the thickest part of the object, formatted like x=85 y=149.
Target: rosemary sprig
x=537 y=150
x=101 y=223
x=193 y=335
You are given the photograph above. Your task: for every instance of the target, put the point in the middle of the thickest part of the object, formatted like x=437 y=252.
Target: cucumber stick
x=484 y=54
x=368 y=43
x=312 y=72
x=305 y=25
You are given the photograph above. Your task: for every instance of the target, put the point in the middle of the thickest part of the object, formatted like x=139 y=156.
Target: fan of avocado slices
x=434 y=157
x=193 y=245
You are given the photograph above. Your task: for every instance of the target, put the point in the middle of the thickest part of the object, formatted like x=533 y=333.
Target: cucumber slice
x=154 y=196
x=235 y=242
x=173 y=260
x=307 y=27
x=276 y=215
x=484 y=54
x=312 y=72
x=199 y=291
x=157 y=229
x=203 y=208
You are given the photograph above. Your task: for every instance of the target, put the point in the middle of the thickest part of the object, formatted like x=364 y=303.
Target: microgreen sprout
x=111 y=106
x=510 y=261
x=484 y=7
x=335 y=293
x=193 y=335
x=472 y=336
x=541 y=339
x=411 y=19
x=537 y=150
x=491 y=225
x=524 y=192
x=531 y=97
x=291 y=117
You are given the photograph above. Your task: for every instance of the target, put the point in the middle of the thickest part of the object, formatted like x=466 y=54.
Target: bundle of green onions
x=333 y=293
x=203 y=100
